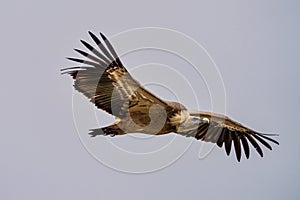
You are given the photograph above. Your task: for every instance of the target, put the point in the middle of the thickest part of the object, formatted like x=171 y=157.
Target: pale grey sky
x=255 y=45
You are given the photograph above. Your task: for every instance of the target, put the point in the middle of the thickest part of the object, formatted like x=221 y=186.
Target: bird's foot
x=103 y=131
x=109 y=131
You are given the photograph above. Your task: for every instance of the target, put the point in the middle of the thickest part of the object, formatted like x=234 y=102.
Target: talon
x=109 y=131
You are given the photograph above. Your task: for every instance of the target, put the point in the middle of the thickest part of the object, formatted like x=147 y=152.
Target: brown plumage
x=104 y=80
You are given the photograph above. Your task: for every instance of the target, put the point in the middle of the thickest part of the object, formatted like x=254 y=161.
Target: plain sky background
x=255 y=44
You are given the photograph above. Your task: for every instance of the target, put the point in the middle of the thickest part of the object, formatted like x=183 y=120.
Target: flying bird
x=104 y=80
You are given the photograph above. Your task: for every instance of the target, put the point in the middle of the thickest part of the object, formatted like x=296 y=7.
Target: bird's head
x=192 y=123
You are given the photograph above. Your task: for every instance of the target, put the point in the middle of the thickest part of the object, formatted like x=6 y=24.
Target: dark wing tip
x=94 y=37
x=256 y=136
x=221 y=138
x=83 y=42
x=71 y=73
x=228 y=142
x=75 y=59
x=245 y=146
x=87 y=45
x=267 y=137
x=81 y=52
x=64 y=70
x=237 y=146
x=254 y=144
x=103 y=36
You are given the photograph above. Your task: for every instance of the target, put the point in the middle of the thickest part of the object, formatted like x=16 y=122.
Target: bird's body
x=106 y=82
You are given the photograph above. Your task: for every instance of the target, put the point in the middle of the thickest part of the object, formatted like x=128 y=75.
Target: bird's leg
x=109 y=130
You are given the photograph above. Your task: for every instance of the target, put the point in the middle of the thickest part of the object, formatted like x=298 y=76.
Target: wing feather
x=105 y=81
x=111 y=49
x=109 y=58
x=221 y=129
x=90 y=57
x=254 y=144
x=95 y=51
x=237 y=145
x=221 y=138
x=228 y=141
x=245 y=146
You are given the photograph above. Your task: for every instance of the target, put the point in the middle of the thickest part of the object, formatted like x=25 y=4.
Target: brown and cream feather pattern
x=104 y=80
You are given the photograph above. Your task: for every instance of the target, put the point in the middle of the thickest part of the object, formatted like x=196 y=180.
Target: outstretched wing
x=104 y=80
x=221 y=130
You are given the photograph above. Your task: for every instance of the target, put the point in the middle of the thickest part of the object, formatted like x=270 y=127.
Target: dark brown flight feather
x=231 y=133
x=105 y=81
